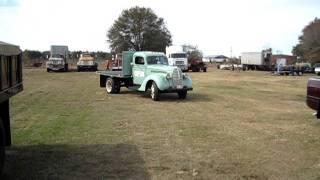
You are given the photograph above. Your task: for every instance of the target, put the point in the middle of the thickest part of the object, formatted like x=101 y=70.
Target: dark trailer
x=10 y=84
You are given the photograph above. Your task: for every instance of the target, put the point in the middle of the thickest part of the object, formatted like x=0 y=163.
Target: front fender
x=159 y=79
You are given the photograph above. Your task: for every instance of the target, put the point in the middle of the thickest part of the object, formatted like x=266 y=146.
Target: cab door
x=139 y=70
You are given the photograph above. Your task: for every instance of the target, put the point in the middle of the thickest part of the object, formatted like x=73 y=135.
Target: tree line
x=308 y=48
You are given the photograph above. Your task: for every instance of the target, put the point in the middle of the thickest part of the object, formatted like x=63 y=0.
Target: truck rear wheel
x=182 y=94
x=66 y=68
x=204 y=69
x=154 y=92
x=2 y=145
x=110 y=86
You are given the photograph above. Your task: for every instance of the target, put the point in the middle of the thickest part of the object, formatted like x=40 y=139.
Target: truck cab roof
x=148 y=53
x=9 y=49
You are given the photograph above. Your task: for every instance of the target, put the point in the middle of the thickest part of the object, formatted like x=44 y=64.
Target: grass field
x=234 y=125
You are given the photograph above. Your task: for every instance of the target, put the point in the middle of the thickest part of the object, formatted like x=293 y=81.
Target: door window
x=139 y=60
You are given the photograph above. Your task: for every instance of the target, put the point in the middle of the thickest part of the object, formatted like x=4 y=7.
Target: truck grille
x=179 y=63
x=177 y=77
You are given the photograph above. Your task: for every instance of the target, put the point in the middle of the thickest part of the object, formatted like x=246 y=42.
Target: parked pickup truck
x=10 y=85
x=144 y=71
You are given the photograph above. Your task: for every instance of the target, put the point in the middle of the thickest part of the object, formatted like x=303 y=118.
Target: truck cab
x=10 y=85
x=87 y=62
x=177 y=57
x=147 y=71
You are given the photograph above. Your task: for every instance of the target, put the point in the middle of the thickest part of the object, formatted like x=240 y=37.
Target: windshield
x=157 y=60
x=56 y=56
x=179 y=55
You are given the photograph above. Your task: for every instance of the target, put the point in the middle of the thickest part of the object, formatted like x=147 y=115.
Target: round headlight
x=185 y=76
x=168 y=76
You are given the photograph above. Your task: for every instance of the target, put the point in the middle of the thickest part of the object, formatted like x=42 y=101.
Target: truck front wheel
x=154 y=93
x=182 y=94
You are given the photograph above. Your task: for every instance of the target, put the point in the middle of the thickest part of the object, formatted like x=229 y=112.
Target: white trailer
x=252 y=58
x=59 y=50
x=256 y=60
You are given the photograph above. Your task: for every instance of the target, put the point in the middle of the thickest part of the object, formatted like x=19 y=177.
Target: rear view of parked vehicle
x=10 y=85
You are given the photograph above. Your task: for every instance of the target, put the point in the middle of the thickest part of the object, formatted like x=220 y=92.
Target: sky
x=226 y=27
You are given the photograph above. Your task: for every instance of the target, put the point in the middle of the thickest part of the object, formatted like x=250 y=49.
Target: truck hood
x=161 y=68
x=86 y=59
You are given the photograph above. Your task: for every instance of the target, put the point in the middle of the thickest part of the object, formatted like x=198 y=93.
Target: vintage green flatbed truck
x=10 y=85
x=144 y=71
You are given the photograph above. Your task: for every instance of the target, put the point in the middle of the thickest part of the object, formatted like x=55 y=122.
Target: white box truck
x=58 y=60
x=256 y=60
x=177 y=57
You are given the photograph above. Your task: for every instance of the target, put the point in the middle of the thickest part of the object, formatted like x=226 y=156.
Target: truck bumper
x=86 y=67
x=170 y=90
x=57 y=68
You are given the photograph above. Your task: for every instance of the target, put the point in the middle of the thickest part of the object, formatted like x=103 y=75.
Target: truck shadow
x=171 y=97
x=118 y=161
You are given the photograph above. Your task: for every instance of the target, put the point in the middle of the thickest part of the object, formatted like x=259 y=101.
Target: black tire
x=194 y=69
x=2 y=146
x=117 y=86
x=78 y=69
x=205 y=70
x=182 y=94
x=198 y=69
x=110 y=85
x=154 y=92
x=48 y=70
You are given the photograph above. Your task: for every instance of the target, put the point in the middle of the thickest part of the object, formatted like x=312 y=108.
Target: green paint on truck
x=146 y=71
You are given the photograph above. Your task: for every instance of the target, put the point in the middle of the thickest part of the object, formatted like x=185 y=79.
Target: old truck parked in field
x=10 y=84
x=196 y=65
x=58 y=60
x=145 y=71
x=87 y=62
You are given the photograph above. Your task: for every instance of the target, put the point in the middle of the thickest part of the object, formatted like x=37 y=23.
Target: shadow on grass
x=118 y=161
x=168 y=97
